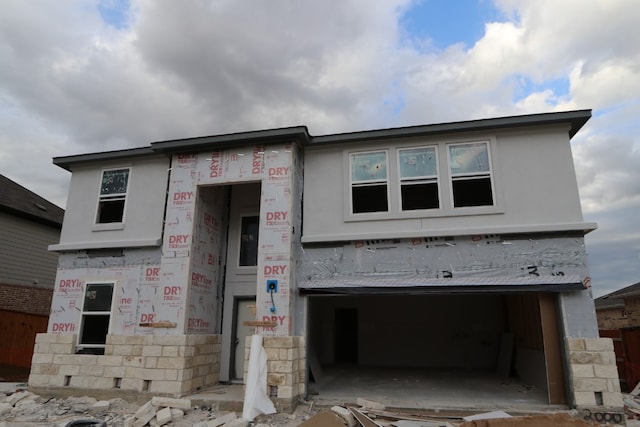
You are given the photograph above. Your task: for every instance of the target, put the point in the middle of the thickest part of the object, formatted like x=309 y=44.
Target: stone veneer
x=286 y=369
x=166 y=365
x=593 y=375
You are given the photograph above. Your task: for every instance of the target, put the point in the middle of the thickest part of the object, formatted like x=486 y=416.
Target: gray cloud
x=70 y=83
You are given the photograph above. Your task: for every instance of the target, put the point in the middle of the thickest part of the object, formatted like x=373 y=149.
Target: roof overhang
x=298 y=134
x=575 y=119
x=67 y=162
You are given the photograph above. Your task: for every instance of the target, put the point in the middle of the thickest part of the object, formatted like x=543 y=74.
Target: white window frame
x=471 y=175
x=112 y=197
x=83 y=313
x=444 y=181
x=422 y=179
x=371 y=182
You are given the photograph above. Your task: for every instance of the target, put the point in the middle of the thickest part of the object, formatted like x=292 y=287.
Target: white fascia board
x=104 y=245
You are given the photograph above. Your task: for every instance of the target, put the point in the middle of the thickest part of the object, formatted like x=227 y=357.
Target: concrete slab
x=431 y=389
x=226 y=397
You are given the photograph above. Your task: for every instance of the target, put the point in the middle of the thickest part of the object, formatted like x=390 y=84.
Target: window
x=418 y=169
x=249 y=241
x=96 y=313
x=369 y=182
x=470 y=175
x=113 y=192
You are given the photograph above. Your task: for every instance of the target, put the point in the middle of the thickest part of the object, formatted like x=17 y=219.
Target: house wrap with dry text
x=455 y=246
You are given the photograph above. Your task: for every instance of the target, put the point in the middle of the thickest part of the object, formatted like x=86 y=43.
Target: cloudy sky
x=84 y=76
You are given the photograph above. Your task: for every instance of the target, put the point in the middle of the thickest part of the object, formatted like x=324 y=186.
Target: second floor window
x=369 y=192
x=113 y=194
x=471 y=182
x=418 y=169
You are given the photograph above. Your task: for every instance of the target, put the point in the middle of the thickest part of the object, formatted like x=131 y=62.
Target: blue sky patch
x=525 y=87
x=115 y=12
x=447 y=22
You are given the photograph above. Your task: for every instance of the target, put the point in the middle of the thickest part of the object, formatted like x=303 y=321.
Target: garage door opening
x=445 y=350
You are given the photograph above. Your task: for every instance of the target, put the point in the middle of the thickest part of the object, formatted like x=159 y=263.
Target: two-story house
x=28 y=225
x=451 y=248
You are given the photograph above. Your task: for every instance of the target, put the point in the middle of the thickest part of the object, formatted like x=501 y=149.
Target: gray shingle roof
x=17 y=200
x=616 y=299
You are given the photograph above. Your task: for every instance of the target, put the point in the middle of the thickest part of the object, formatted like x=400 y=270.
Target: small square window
x=369 y=191
x=113 y=193
x=471 y=179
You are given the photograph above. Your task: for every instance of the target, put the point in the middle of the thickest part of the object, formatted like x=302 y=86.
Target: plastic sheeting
x=256 y=401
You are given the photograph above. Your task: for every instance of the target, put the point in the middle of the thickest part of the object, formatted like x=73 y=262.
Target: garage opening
x=445 y=350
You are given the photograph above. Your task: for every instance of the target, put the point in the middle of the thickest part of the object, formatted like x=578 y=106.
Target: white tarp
x=256 y=400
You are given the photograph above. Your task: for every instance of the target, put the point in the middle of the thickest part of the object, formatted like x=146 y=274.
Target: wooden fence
x=18 y=336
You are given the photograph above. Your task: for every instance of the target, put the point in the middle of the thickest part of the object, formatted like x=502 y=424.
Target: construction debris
x=347 y=416
x=26 y=408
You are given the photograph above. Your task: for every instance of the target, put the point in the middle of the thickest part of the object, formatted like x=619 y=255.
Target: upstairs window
x=113 y=193
x=369 y=182
x=471 y=181
x=96 y=315
x=418 y=169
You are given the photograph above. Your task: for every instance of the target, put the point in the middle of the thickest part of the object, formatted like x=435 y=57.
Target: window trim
x=116 y=225
x=445 y=193
x=114 y=284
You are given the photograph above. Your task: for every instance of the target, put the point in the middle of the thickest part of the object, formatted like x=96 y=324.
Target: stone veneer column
x=286 y=369
x=593 y=374
x=165 y=365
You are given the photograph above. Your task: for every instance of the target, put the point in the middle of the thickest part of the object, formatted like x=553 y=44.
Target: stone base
x=593 y=374
x=286 y=369
x=159 y=365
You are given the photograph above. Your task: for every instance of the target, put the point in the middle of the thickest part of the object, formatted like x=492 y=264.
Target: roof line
x=576 y=118
x=300 y=134
x=65 y=162
x=297 y=133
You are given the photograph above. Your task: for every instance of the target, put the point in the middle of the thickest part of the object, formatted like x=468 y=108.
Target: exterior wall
x=173 y=291
x=578 y=315
x=447 y=261
x=24 y=259
x=532 y=170
x=273 y=166
x=136 y=275
x=172 y=366
x=144 y=208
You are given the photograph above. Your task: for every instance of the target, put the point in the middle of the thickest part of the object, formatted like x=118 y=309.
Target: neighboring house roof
x=573 y=119
x=616 y=299
x=18 y=201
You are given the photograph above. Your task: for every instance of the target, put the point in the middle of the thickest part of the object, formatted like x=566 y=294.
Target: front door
x=240 y=278
x=245 y=312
